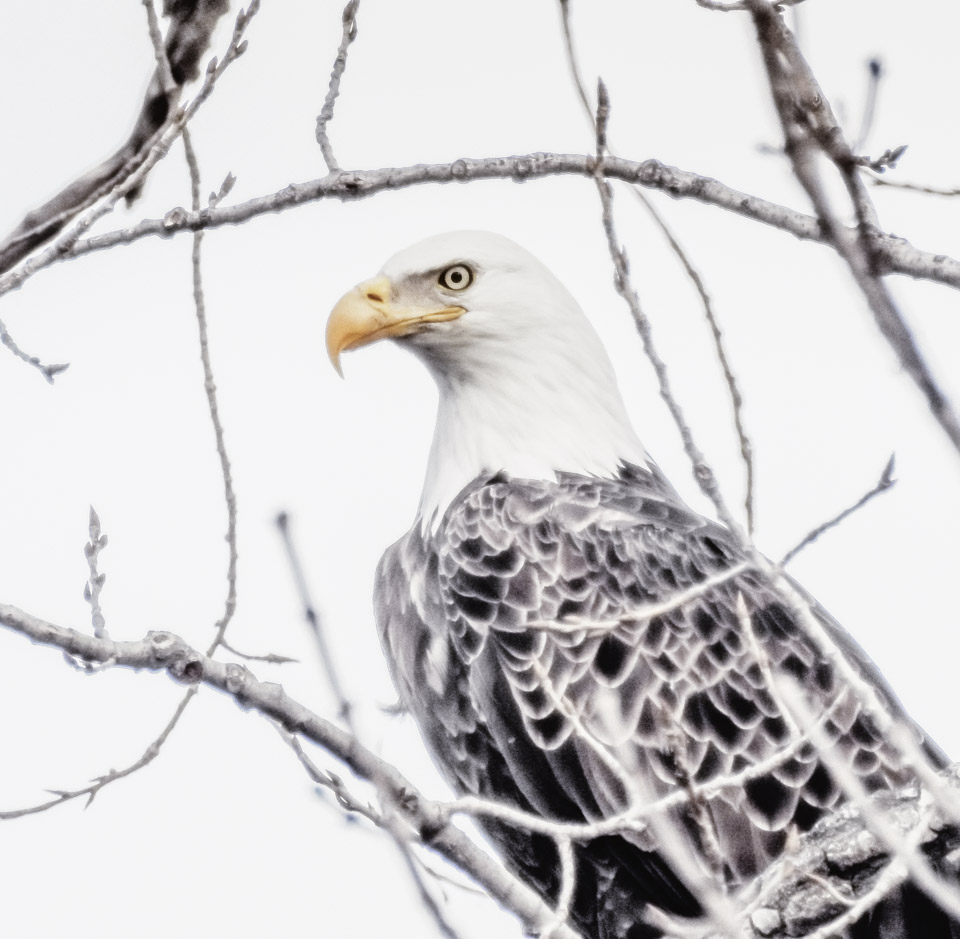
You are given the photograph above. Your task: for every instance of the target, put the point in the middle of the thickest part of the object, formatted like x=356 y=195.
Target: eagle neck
x=532 y=426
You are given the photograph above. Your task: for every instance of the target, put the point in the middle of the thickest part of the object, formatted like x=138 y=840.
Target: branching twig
x=702 y=472
x=91 y=791
x=746 y=449
x=192 y=25
x=416 y=872
x=808 y=125
x=885 y=482
x=49 y=372
x=736 y=399
x=333 y=89
x=164 y=652
x=345 y=798
x=98 y=541
x=135 y=170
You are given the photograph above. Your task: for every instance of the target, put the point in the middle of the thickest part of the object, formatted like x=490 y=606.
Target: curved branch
x=892 y=255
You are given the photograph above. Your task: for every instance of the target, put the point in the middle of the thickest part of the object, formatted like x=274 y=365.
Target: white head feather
x=525 y=384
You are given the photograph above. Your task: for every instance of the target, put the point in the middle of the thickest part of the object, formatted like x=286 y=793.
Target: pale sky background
x=223 y=834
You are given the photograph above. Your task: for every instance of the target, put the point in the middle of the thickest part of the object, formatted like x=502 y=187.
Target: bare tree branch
x=132 y=174
x=98 y=541
x=885 y=482
x=165 y=652
x=192 y=25
x=333 y=89
x=893 y=255
x=809 y=125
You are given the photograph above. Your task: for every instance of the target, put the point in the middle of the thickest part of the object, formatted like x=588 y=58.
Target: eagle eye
x=456 y=277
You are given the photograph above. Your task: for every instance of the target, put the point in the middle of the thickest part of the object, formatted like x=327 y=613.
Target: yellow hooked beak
x=366 y=314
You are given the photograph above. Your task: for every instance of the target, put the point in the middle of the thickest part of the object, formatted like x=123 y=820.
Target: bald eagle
x=564 y=629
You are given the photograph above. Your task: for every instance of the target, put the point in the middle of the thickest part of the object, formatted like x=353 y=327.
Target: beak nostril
x=374 y=297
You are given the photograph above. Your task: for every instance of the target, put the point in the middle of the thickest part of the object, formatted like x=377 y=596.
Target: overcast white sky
x=223 y=834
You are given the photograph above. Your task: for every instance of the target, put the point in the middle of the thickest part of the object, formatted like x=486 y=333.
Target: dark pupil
x=455 y=277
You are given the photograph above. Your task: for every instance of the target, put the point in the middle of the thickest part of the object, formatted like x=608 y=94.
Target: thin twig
x=746 y=449
x=49 y=372
x=345 y=799
x=270 y=658
x=167 y=83
x=210 y=390
x=416 y=872
x=736 y=398
x=916 y=187
x=351 y=804
x=889 y=878
x=568 y=884
x=885 y=482
x=91 y=791
x=346 y=714
x=874 y=74
x=314 y=621
x=887 y=160
x=333 y=89
x=643 y=612
x=763 y=663
x=700 y=813
x=94 y=584
x=702 y=472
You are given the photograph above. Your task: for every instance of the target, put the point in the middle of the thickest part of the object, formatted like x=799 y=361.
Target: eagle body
x=514 y=709
x=572 y=639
